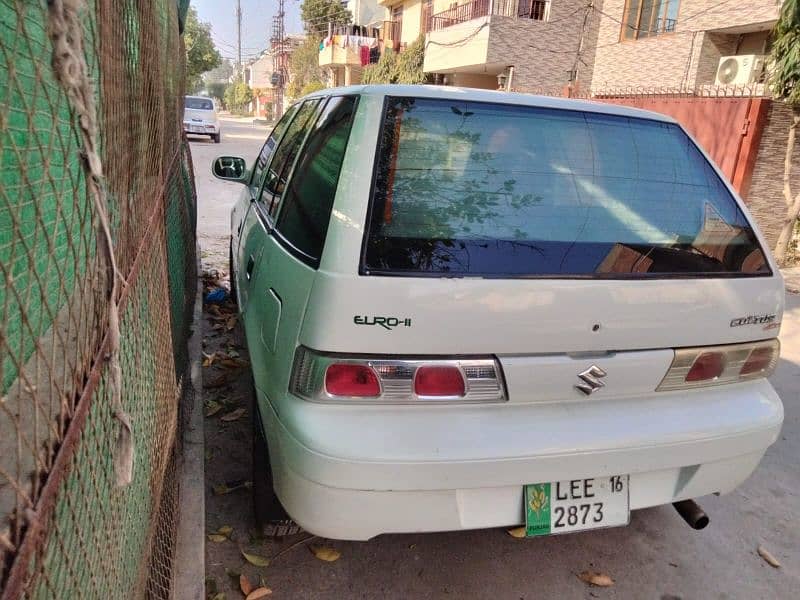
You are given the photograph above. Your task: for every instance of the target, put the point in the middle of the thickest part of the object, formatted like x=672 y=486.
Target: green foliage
x=304 y=68
x=237 y=96
x=221 y=74
x=216 y=90
x=311 y=87
x=405 y=67
x=785 y=76
x=384 y=71
x=316 y=14
x=409 y=63
x=201 y=55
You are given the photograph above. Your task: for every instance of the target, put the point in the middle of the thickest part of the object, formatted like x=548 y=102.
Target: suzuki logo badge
x=591 y=380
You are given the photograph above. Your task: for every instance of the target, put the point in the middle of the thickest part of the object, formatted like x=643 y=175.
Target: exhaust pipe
x=691 y=512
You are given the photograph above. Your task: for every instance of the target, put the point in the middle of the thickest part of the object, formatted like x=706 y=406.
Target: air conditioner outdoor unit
x=737 y=70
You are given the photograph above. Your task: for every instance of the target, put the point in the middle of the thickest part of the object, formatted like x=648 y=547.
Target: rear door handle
x=249 y=270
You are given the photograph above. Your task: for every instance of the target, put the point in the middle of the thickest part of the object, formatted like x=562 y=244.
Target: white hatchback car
x=200 y=117
x=471 y=309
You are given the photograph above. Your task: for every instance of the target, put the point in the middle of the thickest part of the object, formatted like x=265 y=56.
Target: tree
x=316 y=14
x=237 y=96
x=201 y=55
x=216 y=90
x=304 y=68
x=221 y=74
x=785 y=80
x=405 y=67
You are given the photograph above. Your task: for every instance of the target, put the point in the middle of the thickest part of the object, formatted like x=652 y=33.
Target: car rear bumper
x=356 y=472
x=201 y=128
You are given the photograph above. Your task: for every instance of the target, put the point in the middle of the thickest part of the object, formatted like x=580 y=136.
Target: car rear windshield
x=479 y=189
x=198 y=104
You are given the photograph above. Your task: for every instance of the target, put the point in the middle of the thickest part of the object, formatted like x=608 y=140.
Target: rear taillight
x=717 y=365
x=345 y=379
x=336 y=378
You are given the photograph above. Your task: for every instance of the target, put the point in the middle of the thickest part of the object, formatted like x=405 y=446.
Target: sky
x=256 y=23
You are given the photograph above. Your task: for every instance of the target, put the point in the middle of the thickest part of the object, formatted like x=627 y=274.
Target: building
x=524 y=45
x=681 y=43
x=343 y=61
x=258 y=75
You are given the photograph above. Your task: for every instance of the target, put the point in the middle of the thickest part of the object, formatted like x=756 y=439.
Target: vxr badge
x=591 y=380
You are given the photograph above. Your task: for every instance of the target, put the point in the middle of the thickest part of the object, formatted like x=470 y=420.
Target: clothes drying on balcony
x=349 y=41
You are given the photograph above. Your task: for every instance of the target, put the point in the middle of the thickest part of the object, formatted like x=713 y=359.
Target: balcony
x=387 y=33
x=538 y=10
x=472 y=43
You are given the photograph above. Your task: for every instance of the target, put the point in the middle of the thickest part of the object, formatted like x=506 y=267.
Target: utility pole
x=280 y=71
x=239 y=68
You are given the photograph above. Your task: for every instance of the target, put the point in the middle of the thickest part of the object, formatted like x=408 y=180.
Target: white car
x=200 y=117
x=470 y=309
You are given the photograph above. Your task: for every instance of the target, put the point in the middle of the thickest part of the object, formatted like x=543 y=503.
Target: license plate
x=196 y=129
x=576 y=505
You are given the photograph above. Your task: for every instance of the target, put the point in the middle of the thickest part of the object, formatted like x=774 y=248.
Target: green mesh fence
x=67 y=528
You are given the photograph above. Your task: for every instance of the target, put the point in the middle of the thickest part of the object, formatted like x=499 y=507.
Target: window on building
x=646 y=18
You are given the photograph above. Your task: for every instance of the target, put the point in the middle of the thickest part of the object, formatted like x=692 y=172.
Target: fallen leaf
x=233 y=415
x=234 y=363
x=258 y=593
x=768 y=558
x=234 y=575
x=325 y=553
x=245 y=585
x=230 y=486
x=208 y=359
x=255 y=559
x=225 y=530
x=595 y=578
x=217 y=537
x=232 y=353
x=230 y=323
x=212 y=408
x=517 y=532
x=220 y=596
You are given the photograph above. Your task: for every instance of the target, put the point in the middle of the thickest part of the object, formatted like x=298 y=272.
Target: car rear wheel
x=270 y=516
x=216 y=137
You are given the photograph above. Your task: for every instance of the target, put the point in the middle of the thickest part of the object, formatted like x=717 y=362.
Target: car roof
x=479 y=95
x=199 y=97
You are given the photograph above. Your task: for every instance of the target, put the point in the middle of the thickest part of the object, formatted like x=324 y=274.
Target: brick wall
x=541 y=52
x=686 y=57
x=765 y=199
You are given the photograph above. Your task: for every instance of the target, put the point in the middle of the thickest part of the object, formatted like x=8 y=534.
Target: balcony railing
x=537 y=10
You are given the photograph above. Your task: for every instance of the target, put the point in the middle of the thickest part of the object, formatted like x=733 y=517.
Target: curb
x=189 y=566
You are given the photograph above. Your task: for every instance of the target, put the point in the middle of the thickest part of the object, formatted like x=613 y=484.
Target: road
x=657 y=556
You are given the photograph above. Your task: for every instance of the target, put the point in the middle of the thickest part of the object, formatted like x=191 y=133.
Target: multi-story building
x=341 y=53
x=524 y=45
x=680 y=43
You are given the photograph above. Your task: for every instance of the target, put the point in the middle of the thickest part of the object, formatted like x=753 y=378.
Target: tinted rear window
x=478 y=189
x=198 y=104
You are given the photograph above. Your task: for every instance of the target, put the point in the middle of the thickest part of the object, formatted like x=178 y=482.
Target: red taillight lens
x=708 y=365
x=342 y=379
x=439 y=381
x=759 y=360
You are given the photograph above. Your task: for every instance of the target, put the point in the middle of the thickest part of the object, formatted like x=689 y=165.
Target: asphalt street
x=657 y=556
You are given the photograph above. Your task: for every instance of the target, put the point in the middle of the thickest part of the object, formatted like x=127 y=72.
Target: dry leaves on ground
x=208 y=359
x=255 y=559
x=517 y=532
x=221 y=534
x=212 y=408
x=233 y=415
x=768 y=557
x=245 y=585
x=231 y=486
x=325 y=553
x=258 y=593
x=595 y=578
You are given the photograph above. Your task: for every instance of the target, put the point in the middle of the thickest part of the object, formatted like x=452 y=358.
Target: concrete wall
x=444 y=53
x=765 y=199
x=686 y=57
x=366 y=12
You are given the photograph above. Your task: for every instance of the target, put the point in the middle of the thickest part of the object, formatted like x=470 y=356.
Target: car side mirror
x=230 y=168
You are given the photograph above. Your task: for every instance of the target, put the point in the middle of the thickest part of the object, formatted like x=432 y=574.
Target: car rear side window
x=308 y=199
x=481 y=189
x=269 y=146
x=283 y=158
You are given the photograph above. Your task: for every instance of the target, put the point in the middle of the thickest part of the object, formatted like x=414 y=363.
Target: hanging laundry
x=364 y=55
